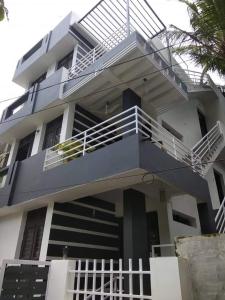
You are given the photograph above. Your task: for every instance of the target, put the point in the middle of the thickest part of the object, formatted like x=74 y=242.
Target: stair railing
x=204 y=148
x=220 y=218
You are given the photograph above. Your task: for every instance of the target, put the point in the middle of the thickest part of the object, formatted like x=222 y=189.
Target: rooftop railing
x=131 y=121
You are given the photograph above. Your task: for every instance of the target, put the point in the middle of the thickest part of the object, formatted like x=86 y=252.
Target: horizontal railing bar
x=199 y=142
x=207 y=140
x=209 y=146
x=123 y=133
x=159 y=126
x=165 y=133
x=221 y=207
x=133 y=296
x=116 y=272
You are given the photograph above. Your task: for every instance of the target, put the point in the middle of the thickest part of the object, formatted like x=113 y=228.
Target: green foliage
x=71 y=149
x=3 y=10
x=205 y=44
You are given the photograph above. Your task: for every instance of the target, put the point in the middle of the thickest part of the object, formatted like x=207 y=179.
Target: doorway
x=25 y=147
x=202 y=123
x=32 y=237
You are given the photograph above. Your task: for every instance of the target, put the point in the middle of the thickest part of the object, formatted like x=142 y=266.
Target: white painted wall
x=187 y=205
x=170 y=279
x=11 y=228
x=46 y=232
x=60 y=280
x=184 y=119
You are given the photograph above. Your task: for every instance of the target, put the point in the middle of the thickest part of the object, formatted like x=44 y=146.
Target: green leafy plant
x=205 y=42
x=3 y=10
x=71 y=149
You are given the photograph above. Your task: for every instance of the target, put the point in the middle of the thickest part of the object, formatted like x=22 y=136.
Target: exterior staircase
x=220 y=218
x=208 y=148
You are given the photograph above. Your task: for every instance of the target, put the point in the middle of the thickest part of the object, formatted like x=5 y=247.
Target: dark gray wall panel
x=33 y=182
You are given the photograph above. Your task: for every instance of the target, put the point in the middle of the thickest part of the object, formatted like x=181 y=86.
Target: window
x=32 y=238
x=202 y=122
x=32 y=51
x=39 y=79
x=16 y=106
x=66 y=61
x=219 y=184
x=52 y=133
x=183 y=218
x=172 y=130
x=25 y=147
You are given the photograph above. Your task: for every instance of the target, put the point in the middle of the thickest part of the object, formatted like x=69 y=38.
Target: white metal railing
x=113 y=280
x=220 y=218
x=191 y=78
x=87 y=58
x=4 y=159
x=131 y=121
x=206 y=147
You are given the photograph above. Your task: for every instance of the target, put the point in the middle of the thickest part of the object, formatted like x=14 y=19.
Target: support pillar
x=134 y=225
x=38 y=139
x=67 y=123
x=135 y=244
x=13 y=152
x=130 y=99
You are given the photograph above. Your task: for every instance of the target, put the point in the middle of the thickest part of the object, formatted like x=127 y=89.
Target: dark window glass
x=32 y=238
x=52 y=133
x=219 y=184
x=184 y=219
x=202 y=122
x=32 y=51
x=25 y=147
x=66 y=61
x=39 y=79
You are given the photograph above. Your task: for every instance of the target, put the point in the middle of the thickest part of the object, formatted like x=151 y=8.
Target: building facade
x=114 y=147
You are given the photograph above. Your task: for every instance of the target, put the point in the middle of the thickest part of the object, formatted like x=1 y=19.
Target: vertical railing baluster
x=130 y=278
x=120 y=279
x=94 y=280
x=141 y=278
x=86 y=278
x=174 y=148
x=111 y=279
x=84 y=143
x=78 y=280
x=102 y=278
x=136 y=119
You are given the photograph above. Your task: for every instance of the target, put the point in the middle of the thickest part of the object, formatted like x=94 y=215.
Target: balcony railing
x=3 y=159
x=131 y=121
x=110 y=23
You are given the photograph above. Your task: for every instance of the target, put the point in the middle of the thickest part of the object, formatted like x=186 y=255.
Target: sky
x=30 y=20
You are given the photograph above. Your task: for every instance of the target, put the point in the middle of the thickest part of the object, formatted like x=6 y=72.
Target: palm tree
x=3 y=10
x=205 y=43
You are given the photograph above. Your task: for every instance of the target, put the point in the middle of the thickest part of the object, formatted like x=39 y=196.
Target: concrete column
x=164 y=227
x=130 y=99
x=75 y=55
x=46 y=232
x=134 y=234
x=134 y=225
x=13 y=152
x=38 y=139
x=51 y=70
x=60 y=280
x=67 y=123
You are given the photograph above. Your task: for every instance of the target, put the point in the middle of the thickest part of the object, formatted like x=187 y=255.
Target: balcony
x=45 y=53
x=129 y=122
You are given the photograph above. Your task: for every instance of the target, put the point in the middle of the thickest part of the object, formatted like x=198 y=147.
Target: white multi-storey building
x=113 y=149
